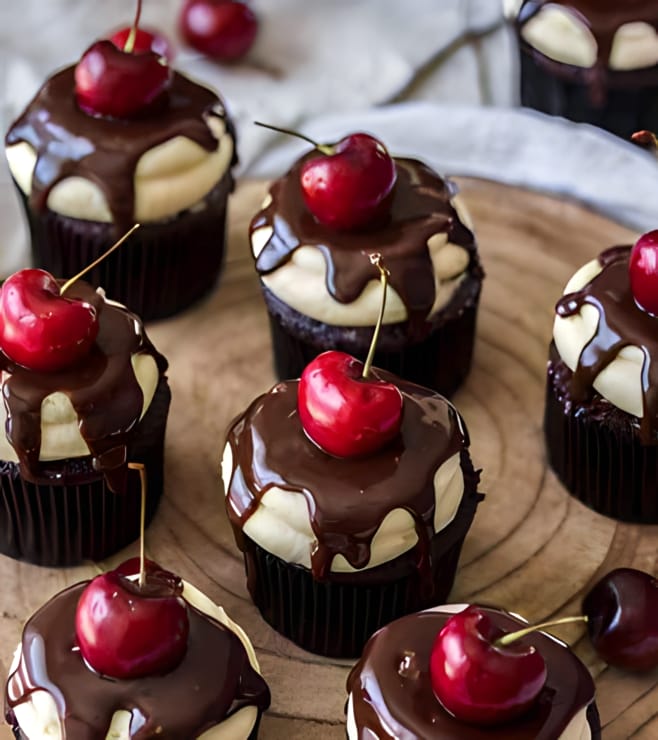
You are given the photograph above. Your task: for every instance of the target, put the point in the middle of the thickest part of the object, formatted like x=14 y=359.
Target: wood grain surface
x=532 y=549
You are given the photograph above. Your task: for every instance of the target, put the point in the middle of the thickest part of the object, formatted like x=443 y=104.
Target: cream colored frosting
x=60 y=433
x=621 y=381
x=38 y=717
x=301 y=282
x=170 y=178
x=561 y=35
x=281 y=524
x=577 y=729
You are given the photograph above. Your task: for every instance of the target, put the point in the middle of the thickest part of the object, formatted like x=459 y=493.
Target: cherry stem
x=376 y=260
x=132 y=36
x=511 y=637
x=116 y=245
x=324 y=148
x=142 y=521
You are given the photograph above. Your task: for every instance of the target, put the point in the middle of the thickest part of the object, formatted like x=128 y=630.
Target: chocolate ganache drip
x=102 y=388
x=392 y=691
x=420 y=208
x=603 y=18
x=69 y=142
x=347 y=498
x=622 y=323
x=213 y=681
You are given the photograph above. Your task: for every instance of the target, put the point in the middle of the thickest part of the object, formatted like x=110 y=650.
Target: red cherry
x=145 y=40
x=343 y=413
x=643 y=272
x=222 y=29
x=349 y=187
x=475 y=680
x=132 y=566
x=127 y=631
x=622 y=619
x=111 y=82
x=41 y=329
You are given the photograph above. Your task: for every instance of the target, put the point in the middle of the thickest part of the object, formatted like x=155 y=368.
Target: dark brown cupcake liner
x=595 y=450
x=629 y=102
x=336 y=617
x=165 y=267
x=440 y=360
x=77 y=517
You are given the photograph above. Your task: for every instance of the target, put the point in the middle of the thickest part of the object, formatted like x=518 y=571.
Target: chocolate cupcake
x=214 y=691
x=390 y=688
x=592 y=62
x=66 y=494
x=322 y=294
x=335 y=548
x=85 y=178
x=601 y=417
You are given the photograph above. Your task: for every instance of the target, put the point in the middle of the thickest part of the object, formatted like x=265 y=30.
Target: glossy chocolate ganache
x=347 y=498
x=622 y=323
x=102 y=388
x=69 y=142
x=213 y=681
x=421 y=207
x=392 y=695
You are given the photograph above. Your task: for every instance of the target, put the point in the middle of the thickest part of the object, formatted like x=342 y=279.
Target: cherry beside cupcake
x=341 y=202
x=601 y=417
x=117 y=138
x=84 y=392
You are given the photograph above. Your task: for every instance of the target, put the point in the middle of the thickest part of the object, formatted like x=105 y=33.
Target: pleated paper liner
x=595 y=450
x=165 y=267
x=78 y=517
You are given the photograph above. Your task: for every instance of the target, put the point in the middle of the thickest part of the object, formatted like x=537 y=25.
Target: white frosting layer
x=620 y=382
x=281 y=524
x=169 y=178
x=301 y=282
x=38 y=717
x=561 y=35
x=577 y=729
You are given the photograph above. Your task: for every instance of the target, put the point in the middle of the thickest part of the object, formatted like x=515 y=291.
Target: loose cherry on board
x=622 y=619
x=41 y=329
x=643 y=272
x=224 y=30
x=144 y=40
x=478 y=681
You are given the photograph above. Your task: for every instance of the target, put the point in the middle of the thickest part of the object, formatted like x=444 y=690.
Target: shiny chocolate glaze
x=347 y=498
x=69 y=142
x=603 y=18
x=102 y=388
x=420 y=208
x=622 y=323
x=213 y=681
x=393 y=698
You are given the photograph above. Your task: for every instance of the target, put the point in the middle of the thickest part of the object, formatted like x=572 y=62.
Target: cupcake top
x=321 y=272
x=590 y=33
x=608 y=341
x=391 y=696
x=88 y=408
x=145 y=168
x=344 y=514
x=216 y=691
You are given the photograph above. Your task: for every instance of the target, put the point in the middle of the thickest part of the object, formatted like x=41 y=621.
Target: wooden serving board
x=532 y=549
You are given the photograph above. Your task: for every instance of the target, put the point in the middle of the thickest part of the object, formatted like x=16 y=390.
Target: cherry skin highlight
x=344 y=414
x=349 y=188
x=125 y=630
x=224 y=30
x=643 y=272
x=145 y=40
x=622 y=619
x=475 y=680
x=114 y=83
x=41 y=329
